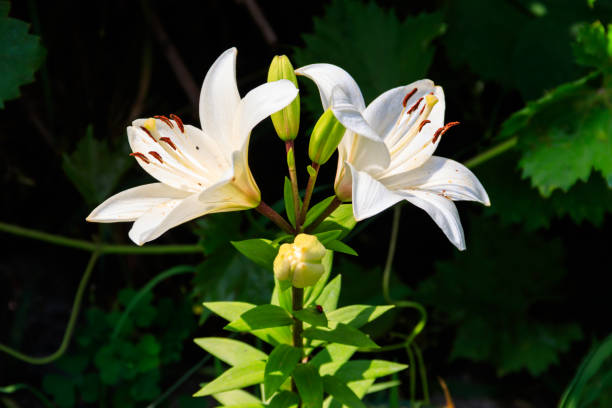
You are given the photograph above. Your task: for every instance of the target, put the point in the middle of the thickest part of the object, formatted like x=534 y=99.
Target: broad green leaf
x=357 y=315
x=233 y=352
x=236 y=377
x=311 y=316
x=316 y=210
x=340 y=246
x=380 y=57
x=383 y=386
x=288 y=196
x=328 y=236
x=309 y=385
x=259 y=250
x=94 y=168
x=334 y=352
x=248 y=405
x=341 y=392
x=240 y=397
x=261 y=317
x=342 y=334
x=311 y=293
x=356 y=370
x=283 y=359
x=281 y=295
x=328 y=299
x=21 y=54
x=284 y=399
x=341 y=219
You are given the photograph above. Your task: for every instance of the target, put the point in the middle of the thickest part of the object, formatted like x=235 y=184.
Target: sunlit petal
x=369 y=195
x=328 y=76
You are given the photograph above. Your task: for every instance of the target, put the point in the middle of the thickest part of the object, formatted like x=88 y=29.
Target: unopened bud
x=325 y=137
x=300 y=262
x=287 y=120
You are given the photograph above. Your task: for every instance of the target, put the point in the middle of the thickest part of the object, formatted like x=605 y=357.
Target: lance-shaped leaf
x=259 y=250
x=283 y=359
x=341 y=392
x=333 y=352
x=340 y=246
x=309 y=386
x=313 y=292
x=281 y=295
x=341 y=219
x=357 y=370
x=316 y=210
x=328 y=236
x=383 y=386
x=231 y=351
x=342 y=334
x=328 y=299
x=261 y=317
x=239 y=398
x=312 y=316
x=357 y=315
x=234 y=378
x=284 y=399
x=289 y=204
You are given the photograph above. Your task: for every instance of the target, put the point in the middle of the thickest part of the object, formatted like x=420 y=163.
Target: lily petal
x=258 y=104
x=219 y=97
x=369 y=195
x=442 y=176
x=326 y=77
x=130 y=204
x=442 y=210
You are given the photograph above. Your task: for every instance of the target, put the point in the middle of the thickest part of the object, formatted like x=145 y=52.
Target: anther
x=408 y=95
x=165 y=120
x=178 y=121
x=423 y=123
x=157 y=156
x=148 y=133
x=415 y=106
x=443 y=130
x=167 y=140
x=141 y=157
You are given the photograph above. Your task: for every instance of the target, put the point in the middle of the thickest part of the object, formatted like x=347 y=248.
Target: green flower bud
x=287 y=120
x=325 y=137
x=300 y=262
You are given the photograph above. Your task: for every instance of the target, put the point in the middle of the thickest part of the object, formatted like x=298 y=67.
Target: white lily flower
x=199 y=171
x=385 y=155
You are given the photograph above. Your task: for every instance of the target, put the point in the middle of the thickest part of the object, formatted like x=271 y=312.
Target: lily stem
x=491 y=153
x=330 y=209
x=289 y=147
x=298 y=304
x=308 y=194
x=267 y=211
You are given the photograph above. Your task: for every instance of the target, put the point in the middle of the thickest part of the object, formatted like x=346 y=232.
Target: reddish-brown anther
x=165 y=120
x=148 y=133
x=443 y=130
x=140 y=156
x=178 y=121
x=408 y=95
x=414 y=107
x=168 y=141
x=423 y=123
x=157 y=156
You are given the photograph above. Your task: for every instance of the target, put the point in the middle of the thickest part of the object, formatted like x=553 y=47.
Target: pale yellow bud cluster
x=300 y=262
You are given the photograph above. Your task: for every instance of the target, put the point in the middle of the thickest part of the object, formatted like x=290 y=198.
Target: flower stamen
x=423 y=123
x=443 y=130
x=165 y=120
x=168 y=141
x=140 y=156
x=408 y=95
x=157 y=156
x=414 y=107
x=148 y=133
x=178 y=121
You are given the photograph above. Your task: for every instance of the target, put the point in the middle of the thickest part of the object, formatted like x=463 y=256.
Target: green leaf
x=341 y=219
x=340 y=246
x=383 y=386
x=328 y=236
x=236 y=377
x=379 y=58
x=261 y=317
x=288 y=196
x=259 y=250
x=342 y=334
x=21 y=54
x=309 y=385
x=356 y=370
x=313 y=292
x=233 y=352
x=328 y=299
x=284 y=399
x=357 y=315
x=281 y=295
x=95 y=169
x=283 y=359
x=61 y=388
x=341 y=392
x=311 y=316
x=591 y=46
x=237 y=397
x=316 y=210
x=333 y=352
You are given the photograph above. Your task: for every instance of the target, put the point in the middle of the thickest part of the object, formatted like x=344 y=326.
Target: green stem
x=76 y=306
x=95 y=247
x=412 y=368
x=491 y=153
x=13 y=388
x=179 y=382
x=330 y=209
x=397 y=210
x=297 y=295
x=308 y=194
x=289 y=147
x=422 y=371
x=267 y=211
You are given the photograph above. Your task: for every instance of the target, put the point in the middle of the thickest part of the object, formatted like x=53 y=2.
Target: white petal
x=258 y=104
x=326 y=77
x=369 y=196
x=443 y=212
x=384 y=111
x=130 y=204
x=442 y=176
x=219 y=97
x=350 y=115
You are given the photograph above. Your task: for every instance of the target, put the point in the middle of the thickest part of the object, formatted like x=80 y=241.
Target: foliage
x=21 y=54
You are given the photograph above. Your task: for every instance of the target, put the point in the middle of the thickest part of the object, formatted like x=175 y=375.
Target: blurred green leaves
x=21 y=54
x=372 y=45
